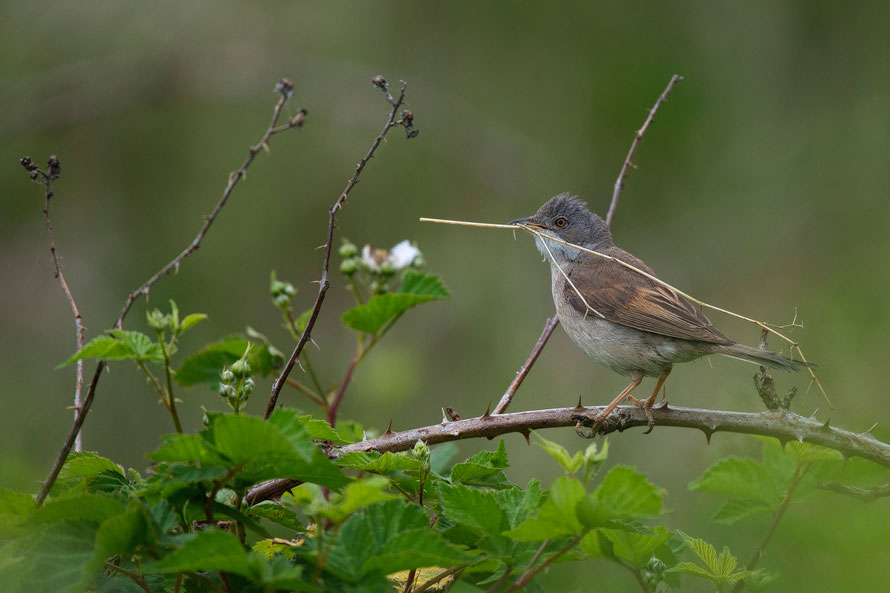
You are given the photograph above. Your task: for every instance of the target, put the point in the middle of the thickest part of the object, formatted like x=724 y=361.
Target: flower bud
x=348 y=267
x=348 y=250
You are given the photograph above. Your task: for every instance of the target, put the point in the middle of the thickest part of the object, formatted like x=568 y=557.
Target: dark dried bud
x=297 y=120
x=54 y=166
x=408 y=118
x=27 y=163
x=379 y=81
x=285 y=86
x=411 y=133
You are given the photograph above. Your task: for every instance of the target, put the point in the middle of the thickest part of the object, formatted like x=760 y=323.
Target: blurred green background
x=762 y=187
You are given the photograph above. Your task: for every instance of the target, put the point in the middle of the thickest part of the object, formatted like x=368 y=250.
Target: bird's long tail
x=763 y=357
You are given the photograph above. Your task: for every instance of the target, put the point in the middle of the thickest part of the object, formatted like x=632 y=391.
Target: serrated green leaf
x=102 y=347
x=485 y=468
x=191 y=321
x=557 y=515
x=208 y=550
x=206 y=365
x=758 y=580
x=141 y=347
x=357 y=495
x=627 y=494
x=473 y=508
x=94 y=508
x=187 y=448
x=372 y=461
x=373 y=315
x=87 y=465
x=691 y=569
x=117 y=535
x=320 y=430
x=387 y=537
x=421 y=283
x=636 y=548
x=56 y=557
x=569 y=463
x=740 y=478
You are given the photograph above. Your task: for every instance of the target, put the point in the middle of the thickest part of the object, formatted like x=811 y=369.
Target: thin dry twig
x=53 y=172
x=407 y=121
x=285 y=90
x=619 y=183
x=531 y=573
x=781 y=424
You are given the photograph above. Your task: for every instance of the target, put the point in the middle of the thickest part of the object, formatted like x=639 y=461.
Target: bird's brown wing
x=623 y=296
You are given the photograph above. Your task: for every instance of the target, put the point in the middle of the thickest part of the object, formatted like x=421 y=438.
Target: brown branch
x=341 y=390
x=285 y=90
x=526 y=366
x=133 y=576
x=323 y=284
x=782 y=425
x=869 y=495
x=619 y=183
x=53 y=172
x=528 y=574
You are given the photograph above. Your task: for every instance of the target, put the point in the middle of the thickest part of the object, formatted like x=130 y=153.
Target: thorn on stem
x=579 y=406
x=487 y=413
x=389 y=428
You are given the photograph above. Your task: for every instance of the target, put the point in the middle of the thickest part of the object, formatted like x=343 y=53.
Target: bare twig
x=341 y=390
x=442 y=575
x=323 y=283
x=285 y=90
x=526 y=366
x=783 y=425
x=53 y=172
x=869 y=495
x=619 y=183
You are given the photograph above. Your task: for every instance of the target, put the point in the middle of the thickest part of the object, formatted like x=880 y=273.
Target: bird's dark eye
x=560 y=221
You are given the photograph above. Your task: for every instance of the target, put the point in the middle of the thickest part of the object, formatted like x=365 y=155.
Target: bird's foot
x=597 y=426
x=646 y=404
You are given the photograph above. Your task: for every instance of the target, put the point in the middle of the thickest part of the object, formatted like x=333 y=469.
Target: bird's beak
x=529 y=221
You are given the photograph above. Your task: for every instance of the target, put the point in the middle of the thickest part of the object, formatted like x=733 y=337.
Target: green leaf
x=636 y=548
x=627 y=494
x=191 y=321
x=120 y=345
x=94 y=508
x=320 y=430
x=374 y=462
x=87 y=465
x=208 y=550
x=717 y=569
x=473 y=508
x=56 y=557
x=738 y=508
x=740 y=478
x=485 y=468
x=421 y=283
x=187 y=448
x=417 y=288
x=387 y=537
x=357 y=495
x=141 y=347
x=206 y=365
x=15 y=508
x=557 y=515
x=569 y=463
x=117 y=535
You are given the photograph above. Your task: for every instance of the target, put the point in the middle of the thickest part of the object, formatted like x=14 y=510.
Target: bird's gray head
x=567 y=218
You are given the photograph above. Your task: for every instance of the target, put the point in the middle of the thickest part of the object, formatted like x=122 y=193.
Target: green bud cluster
x=281 y=292
x=236 y=384
x=351 y=261
x=158 y=321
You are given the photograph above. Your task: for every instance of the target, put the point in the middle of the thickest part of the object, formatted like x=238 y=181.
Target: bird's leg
x=635 y=379
x=647 y=404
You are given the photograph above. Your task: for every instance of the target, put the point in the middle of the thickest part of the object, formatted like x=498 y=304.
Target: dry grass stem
x=795 y=347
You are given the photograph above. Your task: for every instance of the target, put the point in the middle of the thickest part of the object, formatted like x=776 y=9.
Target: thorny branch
x=406 y=121
x=507 y=398
x=53 y=172
x=285 y=89
x=781 y=424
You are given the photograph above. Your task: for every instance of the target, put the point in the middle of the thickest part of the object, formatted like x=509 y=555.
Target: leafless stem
x=442 y=575
x=323 y=283
x=526 y=366
x=53 y=172
x=619 y=183
x=507 y=570
x=783 y=425
x=285 y=89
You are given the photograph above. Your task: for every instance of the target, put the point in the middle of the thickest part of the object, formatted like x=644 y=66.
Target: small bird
x=619 y=317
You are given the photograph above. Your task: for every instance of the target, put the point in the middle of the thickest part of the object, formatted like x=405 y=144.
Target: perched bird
x=619 y=317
